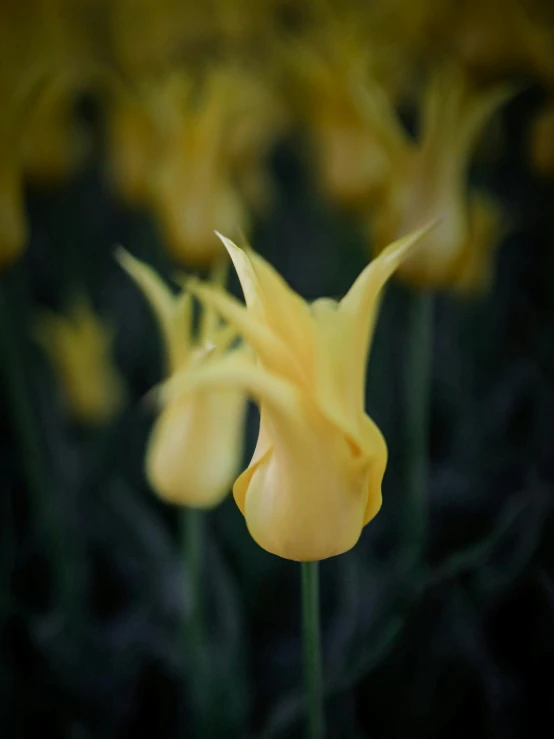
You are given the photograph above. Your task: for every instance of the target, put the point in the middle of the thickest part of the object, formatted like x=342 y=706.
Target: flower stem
x=418 y=392
x=193 y=547
x=45 y=512
x=312 y=649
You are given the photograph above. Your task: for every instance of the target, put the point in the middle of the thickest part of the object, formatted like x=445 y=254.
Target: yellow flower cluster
x=196 y=95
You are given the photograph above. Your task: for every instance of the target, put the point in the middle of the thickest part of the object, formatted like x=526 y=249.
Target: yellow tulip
x=54 y=144
x=495 y=38
x=428 y=181
x=487 y=226
x=133 y=143
x=542 y=141
x=315 y=478
x=196 y=445
x=352 y=161
x=79 y=346
x=191 y=187
x=196 y=151
x=13 y=219
x=257 y=119
x=347 y=116
x=146 y=34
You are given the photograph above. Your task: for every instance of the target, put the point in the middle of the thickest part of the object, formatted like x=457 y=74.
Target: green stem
x=193 y=548
x=418 y=392
x=312 y=649
x=43 y=506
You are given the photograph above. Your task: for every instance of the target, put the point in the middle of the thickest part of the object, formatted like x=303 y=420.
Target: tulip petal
x=306 y=497
x=223 y=339
x=173 y=312
x=335 y=391
x=361 y=304
x=236 y=370
x=487 y=226
x=246 y=274
x=284 y=311
x=453 y=116
x=182 y=467
x=287 y=314
x=153 y=287
x=305 y=494
x=375 y=447
x=209 y=320
x=264 y=445
x=273 y=352
x=478 y=110
x=384 y=121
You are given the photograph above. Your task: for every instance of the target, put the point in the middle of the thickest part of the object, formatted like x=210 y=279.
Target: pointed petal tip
x=120 y=253
x=227 y=243
x=154 y=399
x=126 y=260
x=400 y=247
x=232 y=247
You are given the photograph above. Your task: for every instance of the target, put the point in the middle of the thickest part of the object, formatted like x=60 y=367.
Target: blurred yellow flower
x=495 y=38
x=13 y=219
x=79 y=346
x=342 y=106
x=428 y=181
x=191 y=187
x=196 y=445
x=541 y=142
x=147 y=35
x=315 y=478
x=23 y=63
x=195 y=148
x=54 y=143
x=133 y=141
x=258 y=117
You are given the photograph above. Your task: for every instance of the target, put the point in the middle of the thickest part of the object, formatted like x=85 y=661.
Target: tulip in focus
x=79 y=346
x=428 y=181
x=196 y=444
x=315 y=478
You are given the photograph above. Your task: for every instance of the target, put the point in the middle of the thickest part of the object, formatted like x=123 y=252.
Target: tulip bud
x=79 y=346
x=191 y=189
x=542 y=142
x=13 y=219
x=132 y=139
x=428 y=181
x=53 y=142
x=195 y=447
